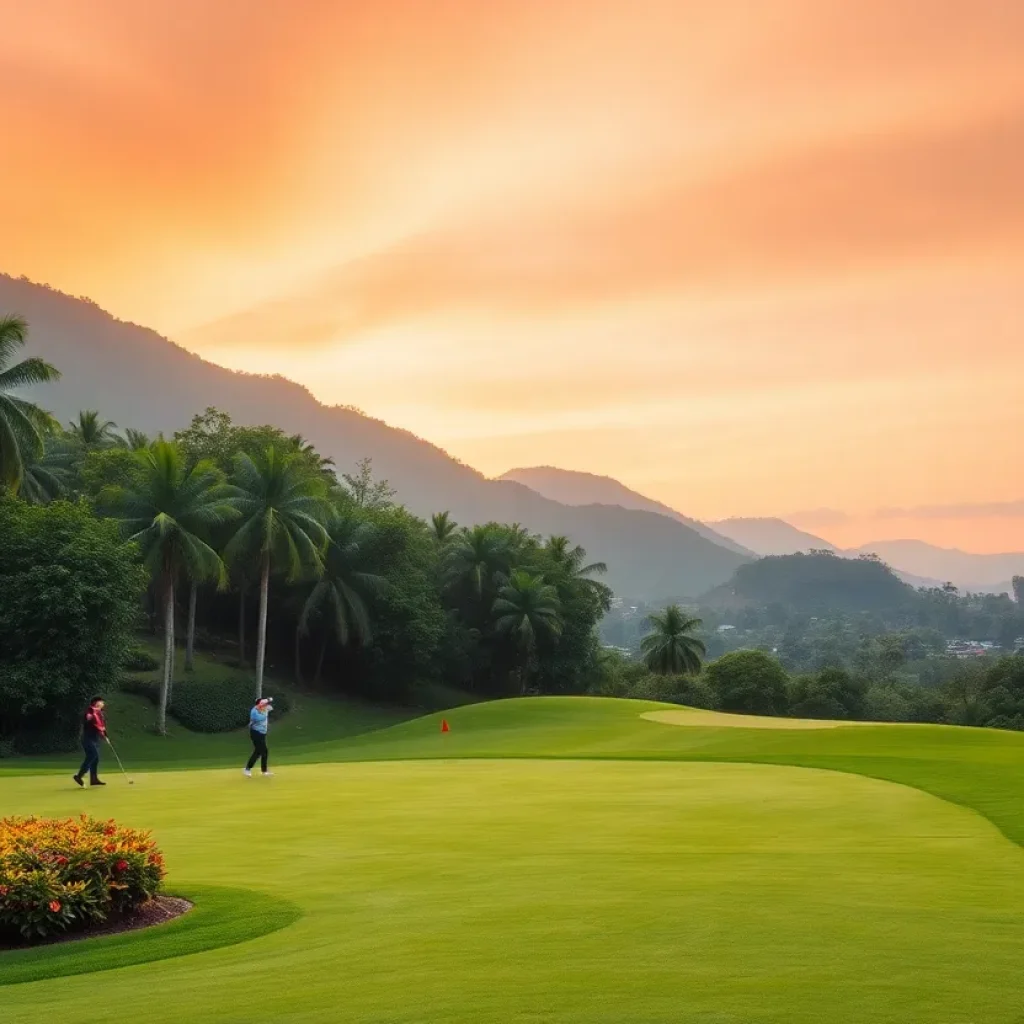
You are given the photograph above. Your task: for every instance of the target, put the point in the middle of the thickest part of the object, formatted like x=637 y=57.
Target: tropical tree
x=671 y=648
x=167 y=515
x=284 y=511
x=92 y=432
x=478 y=558
x=526 y=610
x=136 y=440
x=22 y=424
x=48 y=473
x=339 y=598
x=442 y=527
x=364 y=490
x=570 y=565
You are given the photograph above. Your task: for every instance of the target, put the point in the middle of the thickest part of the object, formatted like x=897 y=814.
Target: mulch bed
x=154 y=911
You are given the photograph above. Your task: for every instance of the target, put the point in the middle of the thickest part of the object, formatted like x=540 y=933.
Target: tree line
x=328 y=570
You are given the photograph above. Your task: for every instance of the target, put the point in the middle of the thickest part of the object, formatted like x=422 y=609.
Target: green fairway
x=570 y=860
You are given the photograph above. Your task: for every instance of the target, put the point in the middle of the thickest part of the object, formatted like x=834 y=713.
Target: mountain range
x=139 y=379
x=915 y=562
x=571 y=487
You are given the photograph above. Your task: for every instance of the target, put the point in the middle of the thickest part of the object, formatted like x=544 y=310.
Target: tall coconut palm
x=526 y=610
x=339 y=598
x=92 y=432
x=284 y=511
x=22 y=424
x=671 y=648
x=167 y=516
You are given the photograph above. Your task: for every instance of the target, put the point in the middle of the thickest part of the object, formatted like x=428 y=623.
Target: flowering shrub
x=66 y=874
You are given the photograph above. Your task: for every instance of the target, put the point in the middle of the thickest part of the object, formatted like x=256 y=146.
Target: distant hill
x=914 y=561
x=814 y=584
x=570 y=487
x=137 y=378
x=968 y=571
x=770 y=536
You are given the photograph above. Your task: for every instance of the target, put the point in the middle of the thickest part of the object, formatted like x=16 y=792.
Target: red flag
x=444 y=725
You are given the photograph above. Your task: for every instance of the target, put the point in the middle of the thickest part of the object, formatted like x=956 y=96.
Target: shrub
x=693 y=693
x=140 y=660
x=885 y=704
x=748 y=681
x=207 y=706
x=832 y=693
x=69 y=590
x=61 y=875
x=217 y=707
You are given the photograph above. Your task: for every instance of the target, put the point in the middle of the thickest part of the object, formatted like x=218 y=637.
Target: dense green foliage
x=215 y=705
x=342 y=581
x=69 y=594
x=748 y=681
x=23 y=426
x=809 y=582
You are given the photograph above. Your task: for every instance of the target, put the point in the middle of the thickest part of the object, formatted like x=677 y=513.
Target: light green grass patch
x=588 y=891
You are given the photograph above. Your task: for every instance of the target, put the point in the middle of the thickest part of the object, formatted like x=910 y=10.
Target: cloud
x=950 y=195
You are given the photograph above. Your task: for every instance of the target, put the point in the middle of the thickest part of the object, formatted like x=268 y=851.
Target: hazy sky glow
x=747 y=258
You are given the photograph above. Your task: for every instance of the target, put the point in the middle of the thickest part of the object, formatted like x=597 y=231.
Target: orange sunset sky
x=751 y=257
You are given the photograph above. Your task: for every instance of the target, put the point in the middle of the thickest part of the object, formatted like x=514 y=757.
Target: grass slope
x=552 y=860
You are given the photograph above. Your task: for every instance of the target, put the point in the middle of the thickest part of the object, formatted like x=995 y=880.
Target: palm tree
x=168 y=515
x=527 y=609
x=22 y=424
x=671 y=649
x=442 y=527
x=48 y=473
x=284 y=509
x=92 y=432
x=477 y=558
x=136 y=440
x=570 y=565
x=340 y=596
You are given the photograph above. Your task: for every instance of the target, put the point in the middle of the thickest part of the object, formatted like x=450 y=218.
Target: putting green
x=565 y=891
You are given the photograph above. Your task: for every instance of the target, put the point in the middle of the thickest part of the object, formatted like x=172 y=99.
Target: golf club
x=131 y=782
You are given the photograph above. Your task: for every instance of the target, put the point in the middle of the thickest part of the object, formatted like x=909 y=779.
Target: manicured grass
x=557 y=860
x=220 y=916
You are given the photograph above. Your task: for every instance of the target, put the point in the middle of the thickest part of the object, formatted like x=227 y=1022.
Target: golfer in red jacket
x=94 y=729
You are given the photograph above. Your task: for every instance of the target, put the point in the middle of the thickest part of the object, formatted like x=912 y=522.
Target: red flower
x=62 y=860
x=55 y=906
x=121 y=865
x=4 y=890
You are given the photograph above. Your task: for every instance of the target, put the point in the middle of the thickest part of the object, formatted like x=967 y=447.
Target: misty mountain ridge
x=915 y=562
x=139 y=379
x=573 y=487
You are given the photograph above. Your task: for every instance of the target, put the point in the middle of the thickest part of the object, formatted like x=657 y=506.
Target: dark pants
x=91 y=764
x=259 y=750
